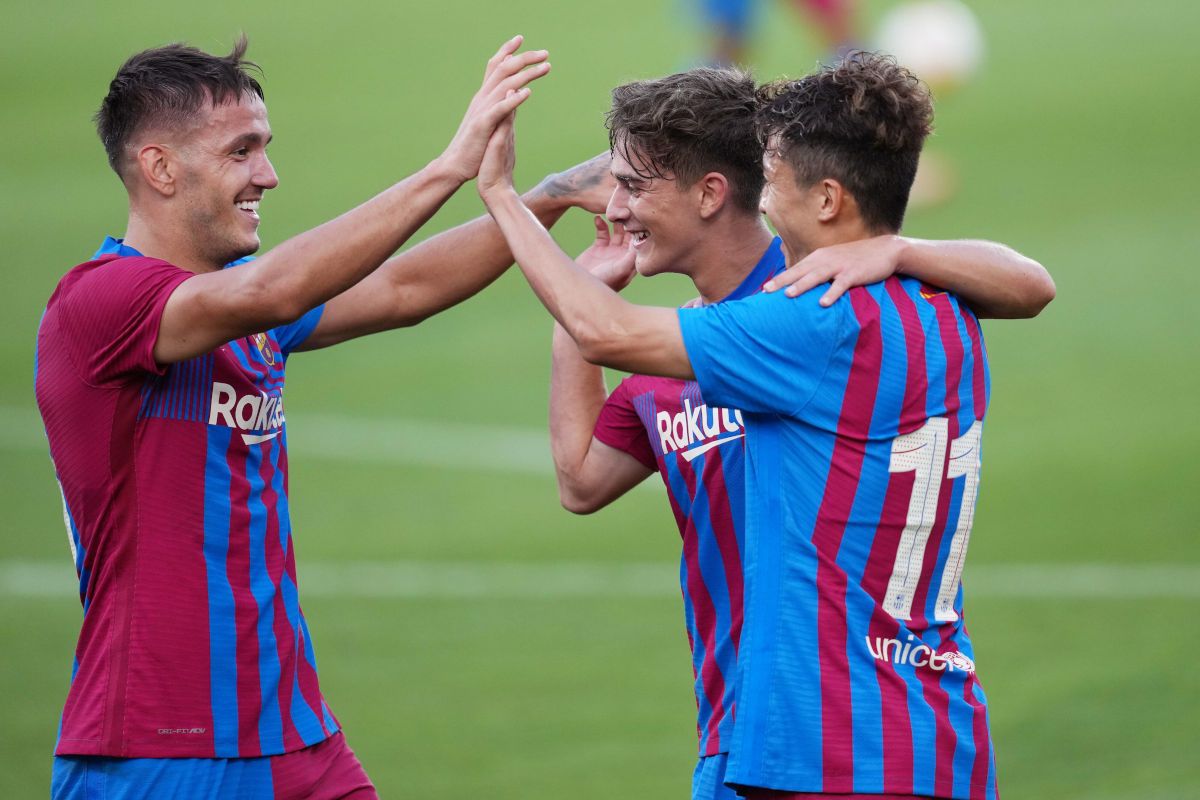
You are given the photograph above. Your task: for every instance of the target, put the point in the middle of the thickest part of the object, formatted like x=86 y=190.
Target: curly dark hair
x=861 y=122
x=167 y=86
x=689 y=124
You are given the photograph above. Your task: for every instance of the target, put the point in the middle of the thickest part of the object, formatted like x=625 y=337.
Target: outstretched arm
x=452 y=266
x=306 y=270
x=608 y=330
x=995 y=280
x=591 y=474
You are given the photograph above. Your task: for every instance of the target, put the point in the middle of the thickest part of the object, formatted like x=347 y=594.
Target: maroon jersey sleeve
x=620 y=426
x=110 y=317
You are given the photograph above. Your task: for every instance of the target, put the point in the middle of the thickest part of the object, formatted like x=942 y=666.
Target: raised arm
x=454 y=265
x=591 y=474
x=995 y=280
x=608 y=330
x=306 y=270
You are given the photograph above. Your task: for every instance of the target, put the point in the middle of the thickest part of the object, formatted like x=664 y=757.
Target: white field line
x=371 y=440
x=481 y=579
x=365 y=440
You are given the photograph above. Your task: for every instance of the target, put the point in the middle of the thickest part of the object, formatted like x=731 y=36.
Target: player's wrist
x=499 y=196
x=905 y=254
x=446 y=168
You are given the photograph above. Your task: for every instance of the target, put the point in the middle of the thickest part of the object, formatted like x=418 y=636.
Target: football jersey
x=863 y=425
x=174 y=483
x=698 y=451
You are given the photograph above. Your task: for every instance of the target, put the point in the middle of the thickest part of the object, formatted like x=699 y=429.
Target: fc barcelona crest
x=264 y=347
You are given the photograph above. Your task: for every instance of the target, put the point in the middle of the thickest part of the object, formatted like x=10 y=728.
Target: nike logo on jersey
x=700 y=449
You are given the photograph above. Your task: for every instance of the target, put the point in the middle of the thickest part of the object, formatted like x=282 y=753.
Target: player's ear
x=713 y=191
x=156 y=165
x=832 y=199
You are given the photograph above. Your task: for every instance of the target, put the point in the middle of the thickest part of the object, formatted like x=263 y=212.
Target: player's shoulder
x=112 y=268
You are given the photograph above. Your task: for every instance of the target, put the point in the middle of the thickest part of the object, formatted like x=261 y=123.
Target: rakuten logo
x=922 y=655
x=697 y=429
x=247 y=412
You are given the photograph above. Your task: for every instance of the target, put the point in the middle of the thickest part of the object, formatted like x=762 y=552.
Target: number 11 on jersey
x=923 y=452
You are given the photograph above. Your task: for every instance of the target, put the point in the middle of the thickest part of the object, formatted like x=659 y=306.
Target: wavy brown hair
x=167 y=86
x=861 y=122
x=686 y=125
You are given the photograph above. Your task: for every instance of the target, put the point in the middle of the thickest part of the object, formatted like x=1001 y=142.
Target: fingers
x=506 y=49
x=836 y=290
x=620 y=236
x=602 y=237
x=807 y=280
x=502 y=112
x=523 y=77
x=513 y=65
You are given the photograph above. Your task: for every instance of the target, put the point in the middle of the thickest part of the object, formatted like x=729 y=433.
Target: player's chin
x=646 y=265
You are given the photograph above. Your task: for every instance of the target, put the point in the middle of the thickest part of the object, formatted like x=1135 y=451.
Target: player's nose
x=265 y=176
x=618 y=206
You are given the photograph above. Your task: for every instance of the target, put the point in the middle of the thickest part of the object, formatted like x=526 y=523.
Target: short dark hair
x=689 y=124
x=168 y=85
x=861 y=121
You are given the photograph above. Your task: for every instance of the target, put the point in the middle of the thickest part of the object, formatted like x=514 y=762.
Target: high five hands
x=505 y=86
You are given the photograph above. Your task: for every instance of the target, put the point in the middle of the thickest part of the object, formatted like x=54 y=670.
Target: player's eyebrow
x=630 y=180
x=249 y=139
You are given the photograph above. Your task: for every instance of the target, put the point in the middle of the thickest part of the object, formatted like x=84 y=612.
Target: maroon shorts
x=326 y=771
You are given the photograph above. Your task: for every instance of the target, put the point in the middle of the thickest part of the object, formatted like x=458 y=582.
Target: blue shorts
x=328 y=770
x=708 y=781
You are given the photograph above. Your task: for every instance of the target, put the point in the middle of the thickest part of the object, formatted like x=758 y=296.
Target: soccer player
x=862 y=434
x=700 y=126
x=160 y=376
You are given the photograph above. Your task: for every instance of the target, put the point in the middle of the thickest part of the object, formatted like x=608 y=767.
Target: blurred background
x=477 y=640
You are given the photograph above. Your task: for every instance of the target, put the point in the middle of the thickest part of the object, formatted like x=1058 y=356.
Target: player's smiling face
x=661 y=218
x=226 y=172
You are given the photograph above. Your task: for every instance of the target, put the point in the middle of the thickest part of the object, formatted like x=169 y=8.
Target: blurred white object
x=939 y=40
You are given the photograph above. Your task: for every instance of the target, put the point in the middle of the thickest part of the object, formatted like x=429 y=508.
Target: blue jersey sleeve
x=765 y=354
x=292 y=335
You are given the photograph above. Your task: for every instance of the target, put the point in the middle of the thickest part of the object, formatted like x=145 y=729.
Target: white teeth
x=247 y=205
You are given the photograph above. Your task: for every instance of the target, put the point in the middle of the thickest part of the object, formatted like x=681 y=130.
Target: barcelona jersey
x=699 y=451
x=175 y=492
x=863 y=433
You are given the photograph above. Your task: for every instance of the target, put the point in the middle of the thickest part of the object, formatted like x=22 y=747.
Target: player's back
x=866 y=596
x=863 y=426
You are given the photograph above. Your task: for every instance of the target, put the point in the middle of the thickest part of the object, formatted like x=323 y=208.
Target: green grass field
x=1074 y=143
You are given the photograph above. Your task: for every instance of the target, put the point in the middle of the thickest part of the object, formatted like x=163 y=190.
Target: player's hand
x=505 y=86
x=496 y=169
x=843 y=266
x=609 y=258
x=588 y=185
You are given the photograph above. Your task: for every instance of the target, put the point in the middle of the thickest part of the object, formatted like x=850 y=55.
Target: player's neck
x=157 y=240
x=833 y=235
x=727 y=259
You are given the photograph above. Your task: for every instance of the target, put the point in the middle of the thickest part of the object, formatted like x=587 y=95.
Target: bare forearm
x=456 y=264
x=608 y=330
x=314 y=266
x=995 y=280
x=577 y=394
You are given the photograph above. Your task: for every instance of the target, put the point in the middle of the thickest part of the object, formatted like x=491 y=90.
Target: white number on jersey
x=923 y=452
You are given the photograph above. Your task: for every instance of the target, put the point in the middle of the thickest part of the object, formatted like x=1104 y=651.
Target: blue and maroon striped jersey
x=698 y=450
x=174 y=483
x=863 y=426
